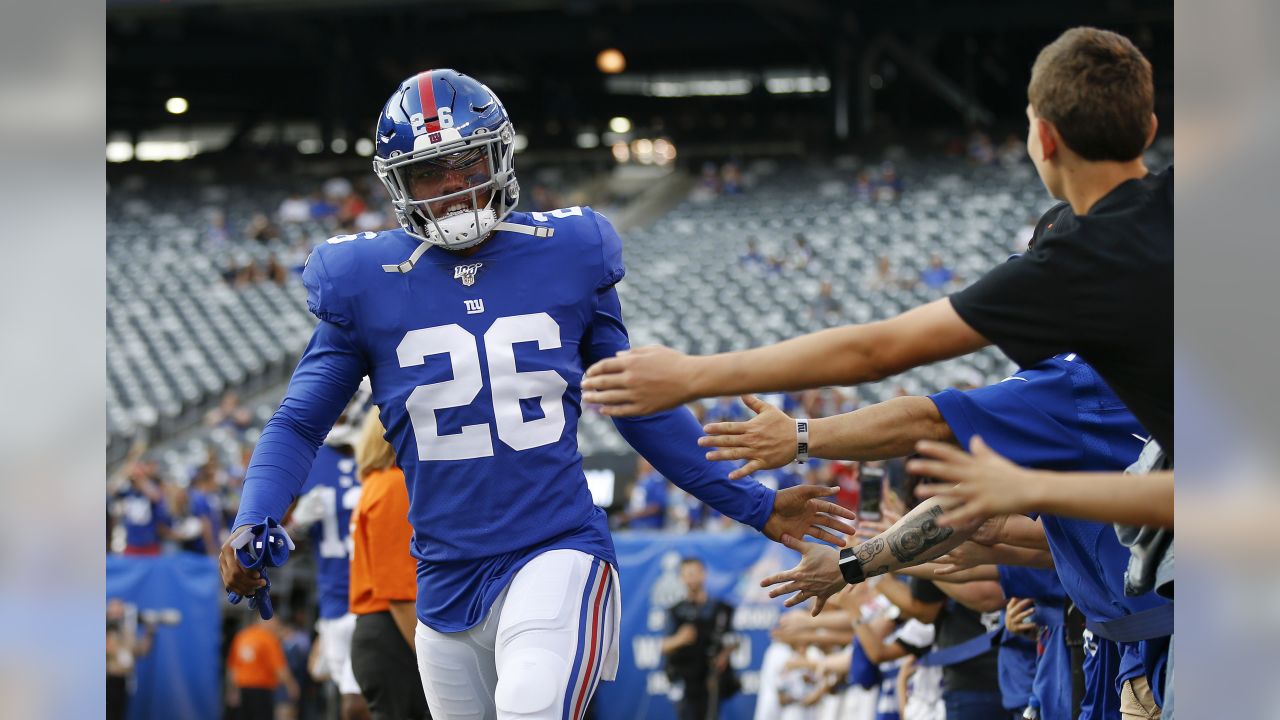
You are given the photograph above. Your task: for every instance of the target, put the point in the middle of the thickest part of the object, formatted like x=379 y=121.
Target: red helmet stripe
x=427 y=96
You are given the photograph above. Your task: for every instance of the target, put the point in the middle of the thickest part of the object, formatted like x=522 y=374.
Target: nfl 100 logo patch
x=466 y=273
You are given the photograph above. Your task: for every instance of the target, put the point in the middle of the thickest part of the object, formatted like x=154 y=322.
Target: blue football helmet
x=445 y=151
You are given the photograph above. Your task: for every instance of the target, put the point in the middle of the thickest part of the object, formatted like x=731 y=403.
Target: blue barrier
x=647 y=567
x=181 y=677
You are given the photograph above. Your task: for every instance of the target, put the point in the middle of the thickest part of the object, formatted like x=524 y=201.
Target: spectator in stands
x=336 y=189
x=864 y=189
x=725 y=409
x=889 y=187
x=731 y=182
x=205 y=506
x=256 y=666
x=275 y=271
x=230 y=414
x=384 y=583
x=801 y=253
x=883 y=278
x=260 y=228
x=350 y=208
x=826 y=308
x=215 y=233
x=294 y=209
x=752 y=259
x=981 y=151
x=937 y=276
x=142 y=509
x=647 y=503
x=124 y=648
x=320 y=207
x=1012 y=152
x=696 y=646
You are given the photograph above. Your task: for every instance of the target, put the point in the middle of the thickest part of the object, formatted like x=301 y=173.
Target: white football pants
x=539 y=653
x=335 y=648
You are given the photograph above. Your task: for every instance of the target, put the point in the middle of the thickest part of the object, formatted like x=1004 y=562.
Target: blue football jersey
x=475 y=363
x=1060 y=415
x=333 y=480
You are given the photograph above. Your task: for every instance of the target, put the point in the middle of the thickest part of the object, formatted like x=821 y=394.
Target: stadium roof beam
x=925 y=71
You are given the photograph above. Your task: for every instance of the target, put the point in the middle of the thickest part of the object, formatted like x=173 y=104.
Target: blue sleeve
x=611 y=252
x=1030 y=419
x=323 y=299
x=326 y=377
x=863 y=672
x=669 y=440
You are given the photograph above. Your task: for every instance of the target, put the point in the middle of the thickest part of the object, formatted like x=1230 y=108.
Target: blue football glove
x=259 y=547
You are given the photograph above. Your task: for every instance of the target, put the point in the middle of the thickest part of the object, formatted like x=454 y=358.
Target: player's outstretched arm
x=669 y=441
x=885 y=430
x=326 y=377
x=654 y=378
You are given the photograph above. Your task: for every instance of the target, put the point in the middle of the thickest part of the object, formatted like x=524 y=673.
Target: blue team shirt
x=479 y=387
x=1060 y=415
x=206 y=506
x=142 y=518
x=1042 y=667
x=649 y=490
x=333 y=476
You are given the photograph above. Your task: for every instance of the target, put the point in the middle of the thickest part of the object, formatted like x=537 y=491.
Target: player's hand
x=797 y=512
x=641 y=381
x=1017 y=616
x=234 y=575
x=766 y=441
x=986 y=483
x=817 y=576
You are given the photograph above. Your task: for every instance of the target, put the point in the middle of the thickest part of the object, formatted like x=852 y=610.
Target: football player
x=328 y=498
x=474 y=324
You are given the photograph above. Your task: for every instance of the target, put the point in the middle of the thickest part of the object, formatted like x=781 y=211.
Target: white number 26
x=507 y=387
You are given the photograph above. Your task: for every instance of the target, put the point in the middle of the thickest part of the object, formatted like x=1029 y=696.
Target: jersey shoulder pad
x=584 y=230
x=338 y=269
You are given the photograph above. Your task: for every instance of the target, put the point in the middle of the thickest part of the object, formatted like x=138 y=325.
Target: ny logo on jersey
x=466 y=273
x=474 y=307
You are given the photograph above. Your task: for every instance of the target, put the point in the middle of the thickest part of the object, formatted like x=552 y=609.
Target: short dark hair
x=691 y=559
x=1095 y=87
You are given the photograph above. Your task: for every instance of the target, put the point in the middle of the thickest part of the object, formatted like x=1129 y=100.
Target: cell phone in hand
x=870 y=492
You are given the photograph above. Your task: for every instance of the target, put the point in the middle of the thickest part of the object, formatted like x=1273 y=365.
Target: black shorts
x=386 y=669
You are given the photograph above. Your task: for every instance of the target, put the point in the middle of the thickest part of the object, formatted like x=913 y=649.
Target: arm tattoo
x=919 y=535
x=868 y=550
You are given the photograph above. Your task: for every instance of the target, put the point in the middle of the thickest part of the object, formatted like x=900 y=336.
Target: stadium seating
x=179 y=334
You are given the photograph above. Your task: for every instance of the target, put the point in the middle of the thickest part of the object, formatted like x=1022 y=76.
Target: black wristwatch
x=851 y=567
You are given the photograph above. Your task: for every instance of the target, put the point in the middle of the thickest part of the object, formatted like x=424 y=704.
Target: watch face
x=851 y=567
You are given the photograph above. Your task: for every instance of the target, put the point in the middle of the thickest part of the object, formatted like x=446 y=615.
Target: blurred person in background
x=647 y=501
x=256 y=667
x=937 y=276
x=295 y=638
x=229 y=414
x=697 y=646
x=204 y=506
x=124 y=649
x=294 y=209
x=140 y=504
x=825 y=308
x=384 y=584
x=324 y=511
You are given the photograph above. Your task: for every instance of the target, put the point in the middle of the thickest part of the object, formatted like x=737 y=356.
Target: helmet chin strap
x=407 y=264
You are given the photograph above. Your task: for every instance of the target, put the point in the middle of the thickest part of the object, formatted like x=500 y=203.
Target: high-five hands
x=766 y=441
x=641 y=381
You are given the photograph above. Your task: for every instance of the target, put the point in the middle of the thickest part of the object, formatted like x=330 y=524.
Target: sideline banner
x=181 y=677
x=648 y=563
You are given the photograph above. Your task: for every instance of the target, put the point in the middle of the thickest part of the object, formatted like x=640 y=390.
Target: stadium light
x=176 y=105
x=520 y=143
x=620 y=125
x=364 y=147
x=587 y=140
x=620 y=152
x=119 y=151
x=338 y=146
x=611 y=61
